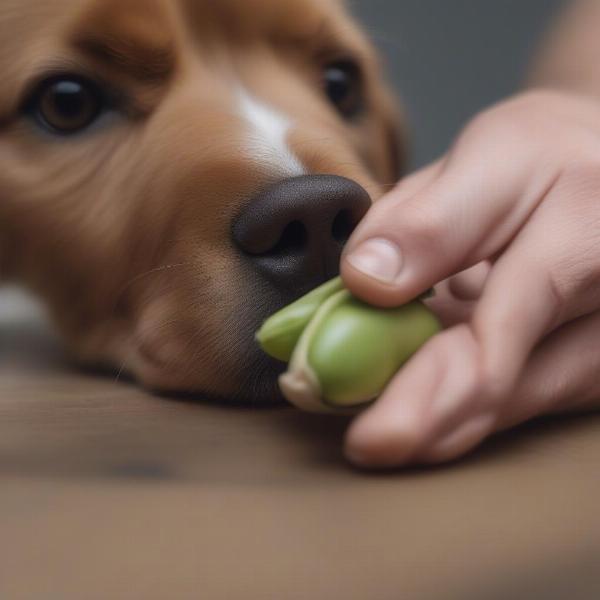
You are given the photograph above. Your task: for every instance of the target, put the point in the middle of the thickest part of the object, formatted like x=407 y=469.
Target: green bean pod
x=342 y=351
x=280 y=333
x=350 y=351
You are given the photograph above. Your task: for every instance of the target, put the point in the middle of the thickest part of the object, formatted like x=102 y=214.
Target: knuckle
x=491 y=386
x=494 y=132
x=502 y=116
x=487 y=122
x=515 y=121
x=536 y=98
x=537 y=104
x=487 y=381
x=477 y=380
x=573 y=286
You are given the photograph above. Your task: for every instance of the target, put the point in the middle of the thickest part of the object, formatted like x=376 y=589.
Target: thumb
x=440 y=222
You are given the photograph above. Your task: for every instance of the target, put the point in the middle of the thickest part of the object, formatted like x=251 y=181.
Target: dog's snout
x=298 y=227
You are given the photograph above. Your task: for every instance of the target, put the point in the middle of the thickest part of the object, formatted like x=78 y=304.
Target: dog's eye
x=67 y=105
x=343 y=85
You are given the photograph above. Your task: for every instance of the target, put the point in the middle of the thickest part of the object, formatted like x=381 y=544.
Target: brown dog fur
x=124 y=230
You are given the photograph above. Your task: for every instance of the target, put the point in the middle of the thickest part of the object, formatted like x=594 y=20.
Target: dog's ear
x=5 y=244
x=397 y=145
x=3 y=256
x=396 y=138
x=2 y=244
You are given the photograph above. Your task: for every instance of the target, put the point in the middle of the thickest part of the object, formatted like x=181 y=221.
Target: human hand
x=510 y=219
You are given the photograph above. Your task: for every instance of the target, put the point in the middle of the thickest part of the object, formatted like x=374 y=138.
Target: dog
x=174 y=171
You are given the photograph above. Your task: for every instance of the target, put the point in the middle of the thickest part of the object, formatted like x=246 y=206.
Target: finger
x=407 y=188
x=406 y=427
x=560 y=376
x=469 y=285
x=468 y=212
x=549 y=275
x=455 y=299
x=534 y=288
x=429 y=392
x=449 y=309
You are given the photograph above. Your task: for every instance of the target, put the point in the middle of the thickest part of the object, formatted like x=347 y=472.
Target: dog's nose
x=296 y=229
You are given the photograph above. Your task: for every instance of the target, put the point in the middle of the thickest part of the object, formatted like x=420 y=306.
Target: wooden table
x=107 y=492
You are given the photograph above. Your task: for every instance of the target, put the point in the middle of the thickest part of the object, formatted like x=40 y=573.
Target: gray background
x=450 y=58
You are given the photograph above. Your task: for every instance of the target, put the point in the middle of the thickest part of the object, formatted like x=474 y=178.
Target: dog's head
x=173 y=171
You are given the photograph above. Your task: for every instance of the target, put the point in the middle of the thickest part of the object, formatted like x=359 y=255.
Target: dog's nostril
x=293 y=240
x=343 y=226
x=294 y=230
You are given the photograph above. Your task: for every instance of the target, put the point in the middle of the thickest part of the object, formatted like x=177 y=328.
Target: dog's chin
x=252 y=384
x=256 y=373
x=259 y=373
x=259 y=388
x=239 y=373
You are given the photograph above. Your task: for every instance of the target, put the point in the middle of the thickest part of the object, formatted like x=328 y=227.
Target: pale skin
x=509 y=221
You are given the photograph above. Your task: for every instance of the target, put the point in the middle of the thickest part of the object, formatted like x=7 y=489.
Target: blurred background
x=450 y=58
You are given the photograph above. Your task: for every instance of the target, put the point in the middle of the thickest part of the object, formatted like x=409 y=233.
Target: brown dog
x=172 y=171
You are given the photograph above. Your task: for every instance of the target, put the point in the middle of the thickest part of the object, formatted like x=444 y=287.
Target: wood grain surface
x=109 y=492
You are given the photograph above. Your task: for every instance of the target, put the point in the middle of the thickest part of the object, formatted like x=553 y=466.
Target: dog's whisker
x=120 y=371
x=141 y=276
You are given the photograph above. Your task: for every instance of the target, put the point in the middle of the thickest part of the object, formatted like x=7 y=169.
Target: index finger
x=468 y=211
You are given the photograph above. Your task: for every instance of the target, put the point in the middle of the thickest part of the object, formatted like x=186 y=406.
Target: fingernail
x=379 y=259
